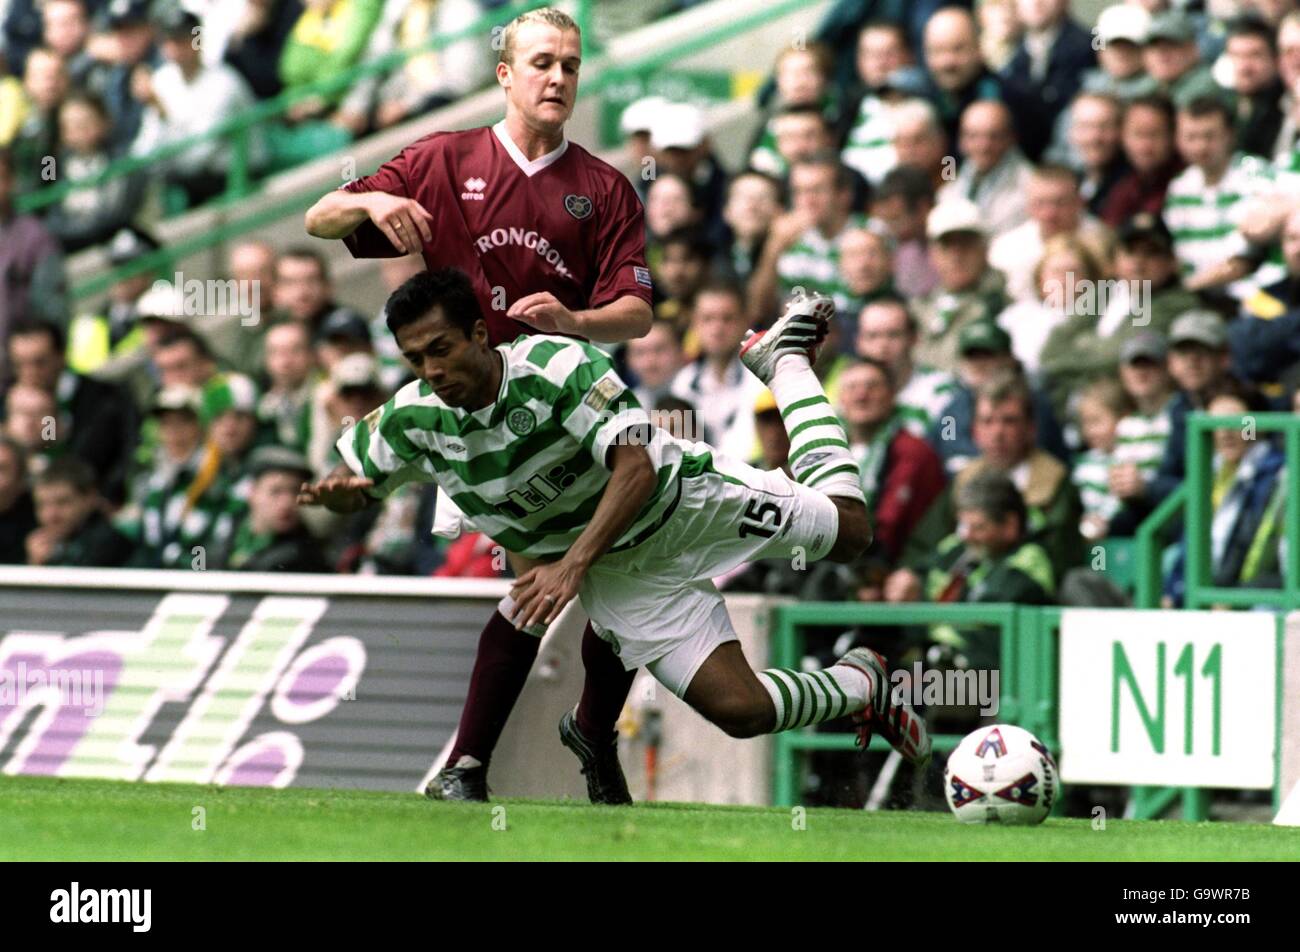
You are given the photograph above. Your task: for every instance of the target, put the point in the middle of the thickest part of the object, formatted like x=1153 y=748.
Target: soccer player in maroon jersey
x=554 y=242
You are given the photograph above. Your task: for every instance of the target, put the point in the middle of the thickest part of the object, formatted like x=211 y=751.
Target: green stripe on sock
x=828 y=441
x=820 y=421
x=786 y=700
x=844 y=698
x=830 y=704
x=845 y=468
x=806 y=402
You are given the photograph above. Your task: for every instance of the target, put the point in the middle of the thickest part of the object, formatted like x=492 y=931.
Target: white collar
x=536 y=165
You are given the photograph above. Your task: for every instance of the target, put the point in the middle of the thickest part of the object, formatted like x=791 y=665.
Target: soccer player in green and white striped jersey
x=547 y=451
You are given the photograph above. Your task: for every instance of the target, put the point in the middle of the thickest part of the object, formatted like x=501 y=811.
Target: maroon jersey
x=566 y=222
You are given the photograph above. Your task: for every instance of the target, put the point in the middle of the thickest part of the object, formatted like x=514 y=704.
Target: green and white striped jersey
x=926 y=396
x=528 y=469
x=870 y=144
x=813 y=263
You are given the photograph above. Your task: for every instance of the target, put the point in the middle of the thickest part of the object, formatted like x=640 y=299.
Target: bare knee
x=740 y=717
x=854 y=533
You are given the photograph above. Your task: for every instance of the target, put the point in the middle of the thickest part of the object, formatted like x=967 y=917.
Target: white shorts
x=656 y=602
x=448 y=518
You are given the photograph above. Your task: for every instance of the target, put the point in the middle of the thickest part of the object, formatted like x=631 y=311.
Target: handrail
x=239 y=126
x=1148 y=547
x=614 y=74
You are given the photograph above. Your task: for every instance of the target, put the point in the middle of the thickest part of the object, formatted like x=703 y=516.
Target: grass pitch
x=50 y=819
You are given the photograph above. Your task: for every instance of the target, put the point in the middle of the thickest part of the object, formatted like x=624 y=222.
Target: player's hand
x=337 y=493
x=405 y=222
x=541 y=593
x=544 y=312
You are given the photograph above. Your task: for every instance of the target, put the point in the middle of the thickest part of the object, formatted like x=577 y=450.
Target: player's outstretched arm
x=541 y=594
x=340 y=491
x=404 y=221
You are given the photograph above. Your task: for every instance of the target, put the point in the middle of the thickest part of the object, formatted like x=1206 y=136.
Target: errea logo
x=473 y=189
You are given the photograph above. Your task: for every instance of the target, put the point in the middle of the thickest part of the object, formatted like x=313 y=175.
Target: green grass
x=42 y=818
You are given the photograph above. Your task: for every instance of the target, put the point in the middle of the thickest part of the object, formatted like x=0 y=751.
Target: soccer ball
x=1001 y=774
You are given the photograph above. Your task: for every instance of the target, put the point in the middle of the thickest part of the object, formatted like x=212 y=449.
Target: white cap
x=1123 y=21
x=162 y=301
x=677 y=125
x=955 y=214
x=355 y=370
x=639 y=116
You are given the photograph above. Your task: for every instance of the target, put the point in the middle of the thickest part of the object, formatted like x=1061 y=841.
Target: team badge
x=521 y=421
x=604 y=390
x=579 y=206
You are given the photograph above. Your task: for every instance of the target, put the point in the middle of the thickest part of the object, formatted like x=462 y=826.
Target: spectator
x=994 y=174
x=882 y=51
x=1198 y=360
x=679 y=143
x=101 y=420
x=866 y=272
x=229 y=414
x=342 y=332
x=254 y=262
x=1094 y=134
x=1121 y=33
x=290 y=363
x=680 y=264
x=902 y=204
x=803 y=73
x=32 y=421
x=254 y=45
x=1046 y=71
x=753 y=202
x=1055 y=209
x=107 y=343
x=992 y=557
x=634 y=126
x=125 y=46
x=901 y=475
x=1007 y=441
x=91 y=214
x=999 y=32
x=1146 y=296
x=1066 y=282
x=45 y=84
x=71 y=528
x=31 y=265
x=1204 y=204
x=968 y=291
x=327 y=40
x=1266 y=339
x=957 y=76
x=1101 y=407
x=669 y=205
x=1147 y=137
x=1287 y=147
x=984 y=351
x=352 y=392
x=716 y=383
x=798 y=133
x=1142 y=433
x=65 y=27
x=303 y=290
x=1172 y=59
x=1256 y=85
x=773 y=439
x=271 y=536
x=803 y=246
x=1249 y=488
x=887 y=334
x=654 y=361
x=178 y=503
x=17 y=511
x=921 y=143
x=186 y=98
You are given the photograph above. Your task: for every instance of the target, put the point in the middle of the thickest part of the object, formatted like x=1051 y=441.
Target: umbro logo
x=473 y=189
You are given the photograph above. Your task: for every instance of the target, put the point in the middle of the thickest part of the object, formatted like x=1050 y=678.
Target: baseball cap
x=176 y=398
x=281 y=459
x=229 y=391
x=355 y=370
x=174 y=21
x=343 y=322
x=1171 y=25
x=951 y=216
x=985 y=336
x=124 y=13
x=677 y=125
x=910 y=80
x=1147 y=345
x=128 y=244
x=1148 y=226
x=1199 y=327
x=163 y=302
x=1123 y=21
x=639 y=116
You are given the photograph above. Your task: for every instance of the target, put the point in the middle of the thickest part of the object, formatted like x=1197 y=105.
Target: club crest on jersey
x=521 y=421
x=579 y=206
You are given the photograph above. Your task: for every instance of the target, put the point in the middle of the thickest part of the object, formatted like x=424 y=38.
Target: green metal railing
x=238 y=128
x=1027 y=674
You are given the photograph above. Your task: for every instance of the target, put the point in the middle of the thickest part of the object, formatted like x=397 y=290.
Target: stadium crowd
x=1047 y=242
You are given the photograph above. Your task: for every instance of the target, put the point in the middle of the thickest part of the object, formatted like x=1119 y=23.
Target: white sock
x=819 y=448
x=802 y=698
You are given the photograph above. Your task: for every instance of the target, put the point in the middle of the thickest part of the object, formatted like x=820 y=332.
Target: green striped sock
x=802 y=698
x=819 y=449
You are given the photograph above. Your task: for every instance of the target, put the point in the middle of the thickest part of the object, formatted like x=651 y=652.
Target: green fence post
x=782 y=650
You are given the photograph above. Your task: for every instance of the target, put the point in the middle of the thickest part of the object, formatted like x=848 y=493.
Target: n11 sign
x=1169 y=698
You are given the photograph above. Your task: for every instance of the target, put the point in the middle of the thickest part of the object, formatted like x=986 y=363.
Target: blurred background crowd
x=1048 y=237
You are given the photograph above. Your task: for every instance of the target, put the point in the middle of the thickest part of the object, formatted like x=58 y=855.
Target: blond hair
x=547 y=15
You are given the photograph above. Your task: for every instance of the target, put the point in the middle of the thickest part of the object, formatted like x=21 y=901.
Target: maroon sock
x=505 y=656
x=604 y=690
